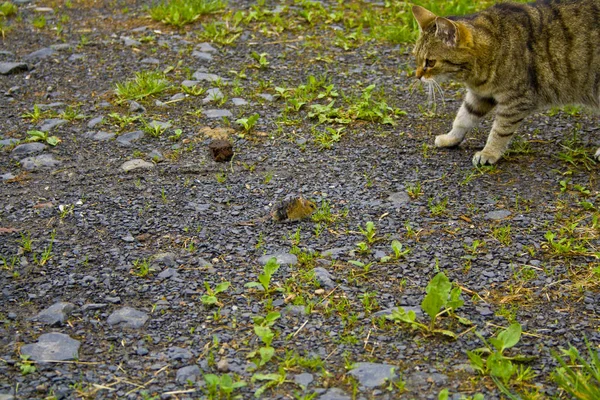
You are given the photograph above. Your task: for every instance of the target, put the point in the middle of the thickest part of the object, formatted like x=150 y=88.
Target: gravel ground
x=111 y=238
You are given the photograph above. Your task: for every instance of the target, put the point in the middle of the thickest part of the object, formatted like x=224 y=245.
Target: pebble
x=188 y=83
x=8 y=142
x=167 y=259
x=206 y=48
x=42 y=161
x=266 y=96
x=213 y=94
x=52 y=347
x=282 y=259
x=237 y=101
x=52 y=123
x=223 y=365
x=136 y=164
x=372 y=375
x=324 y=277
x=7 y=176
x=202 y=56
x=497 y=215
x=126 y=138
x=56 y=314
x=190 y=373
x=150 y=60
x=134 y=106
x=27 y=149
x=304 y=379
x=95 y=121
x=128 y=317
x=217 y=113
x=40 y=54
x=168 y=273
x=203 y=76
x=7 y=68
x=334 y=394
x=103 y=136
x=178 y=353
x=399 y=199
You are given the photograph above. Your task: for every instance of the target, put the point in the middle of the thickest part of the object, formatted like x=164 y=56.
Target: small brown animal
x=288 y=210
x=293 y=209
x=514 y=59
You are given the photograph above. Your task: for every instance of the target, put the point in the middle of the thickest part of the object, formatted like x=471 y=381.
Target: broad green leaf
x=455 y=300
x=356 y=263
x=265 y=377
x=266 y=353
x=208 y=299
x=265 y=280
x=226 y=383
x=265 y=334
x=510 y=336
x=272 y=317
x=500 y=366
x=437 y=295
x=221 y=287
x=444 y=395
x=53 y=140
x=211 y=379
x=253 y=285
x=446 y=332
x=476 y=361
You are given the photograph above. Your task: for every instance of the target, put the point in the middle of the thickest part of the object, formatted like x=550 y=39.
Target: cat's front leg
x=506 y=123
x=472 y=110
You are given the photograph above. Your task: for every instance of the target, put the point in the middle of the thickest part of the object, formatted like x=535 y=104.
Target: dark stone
x=221 y=150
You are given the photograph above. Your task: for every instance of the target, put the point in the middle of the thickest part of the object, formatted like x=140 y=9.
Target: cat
x=514 y=59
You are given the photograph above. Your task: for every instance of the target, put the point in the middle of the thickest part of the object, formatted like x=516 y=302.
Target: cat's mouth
x=435 y=93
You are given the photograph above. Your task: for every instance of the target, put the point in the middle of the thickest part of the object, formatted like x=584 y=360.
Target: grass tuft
x=183 y=12
x=145 y=83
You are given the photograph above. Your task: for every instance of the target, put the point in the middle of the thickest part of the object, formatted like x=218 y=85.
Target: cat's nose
x=419 y=73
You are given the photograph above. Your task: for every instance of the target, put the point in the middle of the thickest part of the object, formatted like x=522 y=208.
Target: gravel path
x=114 y=239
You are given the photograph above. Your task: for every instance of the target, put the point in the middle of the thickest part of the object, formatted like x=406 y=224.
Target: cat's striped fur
x=514 y=59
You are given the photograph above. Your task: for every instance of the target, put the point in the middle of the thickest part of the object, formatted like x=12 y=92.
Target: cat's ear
x=447 y=31
x=423 y=16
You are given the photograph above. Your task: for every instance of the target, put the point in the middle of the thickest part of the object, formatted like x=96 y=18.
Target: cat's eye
x=430 y=63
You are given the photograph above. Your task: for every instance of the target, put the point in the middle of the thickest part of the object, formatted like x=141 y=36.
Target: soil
x=85 y=231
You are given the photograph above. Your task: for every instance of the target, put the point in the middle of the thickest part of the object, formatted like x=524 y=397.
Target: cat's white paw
x=485 y=158
x=447 y=140
x=597 y=155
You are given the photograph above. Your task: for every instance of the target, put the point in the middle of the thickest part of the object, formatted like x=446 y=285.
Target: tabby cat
x=514 y=59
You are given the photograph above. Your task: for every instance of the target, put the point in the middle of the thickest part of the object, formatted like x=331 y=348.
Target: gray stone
x=95 y=121
x=156 y=156
x=160 y=124
x=27 y=149
x=52 y=123
x=324 y=277
x=127 y=41
x=303 y=379
x=62 y=46
x=223 y=365
x=334 y=253
x=188 y=83
x=7 y=68
x=178 y=96
x=190 y=373
x=93 y=306
x=168 y=273
x=40 y=54
x=206 y=47
x=237 y=101
x=421 y=380
x=134 y=106
x=150 y=60
x=399 y=199
x=126 y=138
x=42 y=161
x=137 y=163
x=218 y=113
x=7 y=176
x=56 y=314
x=8 y=142
x=102 y=136
x=334 y=394
x=178 y=353
x=202 y=56
x=203 y=76
x=389 y=311
x=76 y=57
x=213 y=94
x=372 y=375
x=167 y=259
x=52 y=347
x=6 y=396
x=50 y=106
x=128 y=317
x=497 y=215
x=282 y=259
x=266 y=96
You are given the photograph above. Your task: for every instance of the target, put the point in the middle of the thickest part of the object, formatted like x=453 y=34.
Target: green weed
x=144 y=84
x=182 y=12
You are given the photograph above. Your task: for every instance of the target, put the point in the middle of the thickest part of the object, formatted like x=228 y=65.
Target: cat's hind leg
x=472 y=110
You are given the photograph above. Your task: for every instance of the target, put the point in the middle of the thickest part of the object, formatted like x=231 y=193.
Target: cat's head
x=444 y=49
